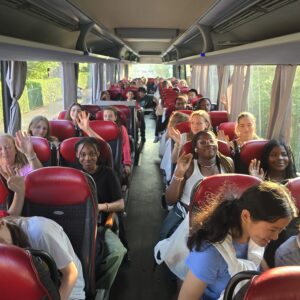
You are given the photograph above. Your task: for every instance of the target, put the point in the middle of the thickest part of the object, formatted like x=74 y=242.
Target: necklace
x=207 y=167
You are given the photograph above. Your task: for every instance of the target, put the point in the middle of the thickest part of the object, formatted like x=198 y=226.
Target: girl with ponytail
x=230 y=236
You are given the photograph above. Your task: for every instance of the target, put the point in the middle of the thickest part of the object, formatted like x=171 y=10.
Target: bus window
x=260 y=86
x=214 y=84
x=84 y=89
x=295 y=141
x=43 y=94
x=150 y=70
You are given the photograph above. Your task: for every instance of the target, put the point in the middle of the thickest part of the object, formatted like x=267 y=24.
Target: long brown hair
x=68 y=113
x=18 y=236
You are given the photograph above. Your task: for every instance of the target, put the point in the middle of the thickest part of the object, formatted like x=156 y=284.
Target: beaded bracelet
x=178 y=178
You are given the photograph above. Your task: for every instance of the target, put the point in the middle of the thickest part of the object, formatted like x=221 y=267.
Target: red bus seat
x=62 y=115
x=91 y=108
x=274 y=284
x=67 y=196
x=250 y=150
x=186 y=111
x=20 y=278
x=67 y=155
x=62 y=129
x=229 y=129
x=218 y=117
x=294 y=186
x=4 y=195
x=111 y=133
x=232 y=184
x=184 y=127
x=44 y=151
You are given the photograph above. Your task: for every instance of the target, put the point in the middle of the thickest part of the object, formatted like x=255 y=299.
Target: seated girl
x=112 y=114
x=245 y=130
x=110 y=200
x=18 y=154
x=39 y=126
x=165 y=147
x=41 y=234
x=204 y=104
x=229 y=236
x=278 y=166
x=44 y=234
x=105 y=95
x=199 y=121
x=277 y=163
x=205 y=161
x=72 y=115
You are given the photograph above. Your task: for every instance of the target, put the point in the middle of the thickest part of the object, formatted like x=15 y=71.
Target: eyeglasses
x=207 y=142
x=91 y=154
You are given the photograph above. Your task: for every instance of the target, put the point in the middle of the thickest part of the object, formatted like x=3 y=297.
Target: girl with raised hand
x=18 y=154
x=112 y=114
x=199 y=121
x=277 y=163
x=205 y=161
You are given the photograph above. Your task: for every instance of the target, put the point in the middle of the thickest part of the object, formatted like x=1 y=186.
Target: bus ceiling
x=155 y=31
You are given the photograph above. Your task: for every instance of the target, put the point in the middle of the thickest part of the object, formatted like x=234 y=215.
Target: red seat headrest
x=3 y=193
x=62 y=115
x=294 y=186
x=19 y=278
x=252 y=149
x=62 y=129
x=210 y=186
x=56 y=186
x=41 y=148
x=229 y=129
x=106 y=129
x=280 y=283
x=218 y=117
x=184 y=127
x=91 y=108
x=185 y=111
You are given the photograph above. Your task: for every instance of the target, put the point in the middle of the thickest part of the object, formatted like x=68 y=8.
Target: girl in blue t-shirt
x=230 y=237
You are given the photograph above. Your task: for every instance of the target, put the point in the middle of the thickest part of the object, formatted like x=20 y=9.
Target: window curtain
x=126 y=71
x=97 y=81
x=122 y=71
x=281 y=103
x=237 y=91
x=110 y=74
x=15 y=80
x=69 y=84
x=224 y=79
x=200 y=79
